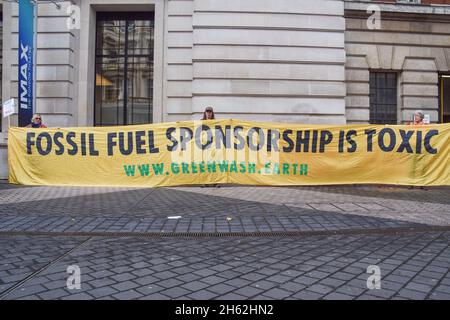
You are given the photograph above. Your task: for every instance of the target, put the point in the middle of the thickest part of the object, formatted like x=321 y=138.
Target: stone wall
x=178 y=60
x=416 y=47
x=55 y=62
x=269 y=60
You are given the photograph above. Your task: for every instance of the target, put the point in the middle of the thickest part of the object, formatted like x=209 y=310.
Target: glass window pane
x=140 y=40
x=383 y=97
x=110 y=91
x=111 y=38
x=140 y=79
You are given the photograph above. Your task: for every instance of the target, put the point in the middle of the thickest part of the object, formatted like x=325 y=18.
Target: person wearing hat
x=208 y=114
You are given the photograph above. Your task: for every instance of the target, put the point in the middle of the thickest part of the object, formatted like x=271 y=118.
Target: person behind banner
x=36 y=122
x=208 y=114
x=418 y=118
x=418 y=121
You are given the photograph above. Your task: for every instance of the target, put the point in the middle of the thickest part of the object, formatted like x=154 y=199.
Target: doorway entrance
x=124 y=68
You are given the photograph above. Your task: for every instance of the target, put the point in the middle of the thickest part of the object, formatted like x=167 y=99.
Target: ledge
x=440 y=11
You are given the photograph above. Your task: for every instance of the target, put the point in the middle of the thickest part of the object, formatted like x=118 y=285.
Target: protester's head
x=208 y=114
x=36 y=121
x=418 y=116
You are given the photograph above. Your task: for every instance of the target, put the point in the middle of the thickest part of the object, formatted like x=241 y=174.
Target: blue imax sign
x=26 y=57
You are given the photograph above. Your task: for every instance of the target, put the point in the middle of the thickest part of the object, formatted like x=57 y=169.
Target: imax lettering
x=24 y=78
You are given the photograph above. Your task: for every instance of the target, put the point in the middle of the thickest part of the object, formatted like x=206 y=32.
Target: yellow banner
x=230 y=151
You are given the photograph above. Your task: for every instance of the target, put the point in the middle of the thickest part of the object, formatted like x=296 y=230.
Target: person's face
x=37 y=119
x=417 y=117
x=208 y=114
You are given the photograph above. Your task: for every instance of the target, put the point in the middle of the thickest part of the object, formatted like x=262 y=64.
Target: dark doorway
x=124 y=68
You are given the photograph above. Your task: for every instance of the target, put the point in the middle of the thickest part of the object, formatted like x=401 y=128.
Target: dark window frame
x=441 y=97
x=379 y=103
x=127 y=17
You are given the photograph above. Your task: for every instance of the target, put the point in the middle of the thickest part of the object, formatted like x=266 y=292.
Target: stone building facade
x=303 y=61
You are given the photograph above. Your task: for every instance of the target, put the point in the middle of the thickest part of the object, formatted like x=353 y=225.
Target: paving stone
x=418 y=287
x=414 y=265
x=318 y=274
x=195 y=285
x=98 y=283
x=26 y=291
x=368 y=297
x=101 y=274
x=212 y=280
x=237 y=282
x=78 y=296
x=337 y=296
x=175 y=292
x=229 y=274
x=203 y=295
x=306 y=280
x=231 y=296
x=254 y=276
x=267 y=271
x=123 y=277
x=169 y=283
x=319 y=288
x=278 y=278
x=127 y=285
x=395 y=286
x=221 y=267
x=54 y=284
x=331 y=282
x=149 y=289
x=382 y=293
x=397 y=278
x=155 y=296
x=102 y=292
x=442 y=288
x=221 y=288
x=142 y=272
x=292 y=286
x=440 y=295
x=307 y=295
x=188 y=277
x=205 y=272
x=53 y=294
x=146 y=280
x=410 y=294
x=350 y=290
x=265 y=285
x=277 y=293
x=248 y=291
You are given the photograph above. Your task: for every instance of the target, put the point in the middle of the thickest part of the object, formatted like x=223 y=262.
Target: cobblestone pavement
x=233 y=242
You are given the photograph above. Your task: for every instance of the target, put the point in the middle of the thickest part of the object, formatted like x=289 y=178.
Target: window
x=124 y=68
x=383 y=98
